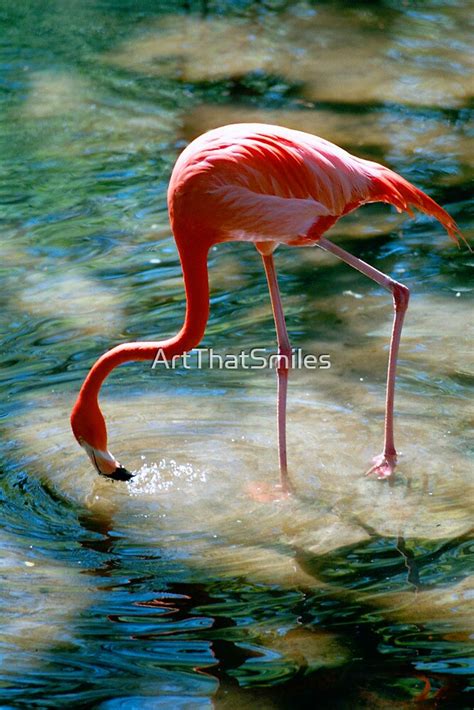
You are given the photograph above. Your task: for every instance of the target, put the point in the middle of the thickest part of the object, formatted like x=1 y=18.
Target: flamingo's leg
x=284 y=353
x=385 y=464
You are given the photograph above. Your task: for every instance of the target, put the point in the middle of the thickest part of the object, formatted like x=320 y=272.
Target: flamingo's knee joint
x=284 y=358
x=401 y=296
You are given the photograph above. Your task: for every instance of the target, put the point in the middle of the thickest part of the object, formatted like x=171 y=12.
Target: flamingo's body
x=268 y=185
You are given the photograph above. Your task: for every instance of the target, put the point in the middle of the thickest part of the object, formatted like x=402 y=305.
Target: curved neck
x=196 y=284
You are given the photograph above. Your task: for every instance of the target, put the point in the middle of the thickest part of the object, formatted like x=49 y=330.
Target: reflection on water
x=183 y=588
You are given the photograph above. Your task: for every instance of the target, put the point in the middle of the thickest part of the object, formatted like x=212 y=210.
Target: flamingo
x=268 y=185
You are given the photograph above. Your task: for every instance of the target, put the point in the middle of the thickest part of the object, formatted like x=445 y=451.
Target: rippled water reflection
x=185 y=588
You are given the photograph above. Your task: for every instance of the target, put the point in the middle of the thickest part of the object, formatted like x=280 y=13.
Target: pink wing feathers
x=255 y=182
x=388 y=186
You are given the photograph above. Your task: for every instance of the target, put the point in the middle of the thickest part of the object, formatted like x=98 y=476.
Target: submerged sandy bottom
x=199 y=460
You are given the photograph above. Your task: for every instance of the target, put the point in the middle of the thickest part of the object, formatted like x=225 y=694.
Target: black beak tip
x=120 y=474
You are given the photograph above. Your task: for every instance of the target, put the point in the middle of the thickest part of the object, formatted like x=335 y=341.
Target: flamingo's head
x=89 y=428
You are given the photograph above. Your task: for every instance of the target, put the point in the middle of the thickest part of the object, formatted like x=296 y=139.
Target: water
x=186 y=588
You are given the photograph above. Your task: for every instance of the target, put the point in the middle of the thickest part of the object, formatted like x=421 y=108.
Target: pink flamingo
x=268 y=185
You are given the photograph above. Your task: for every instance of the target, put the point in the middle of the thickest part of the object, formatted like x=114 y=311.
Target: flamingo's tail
x=388 y=186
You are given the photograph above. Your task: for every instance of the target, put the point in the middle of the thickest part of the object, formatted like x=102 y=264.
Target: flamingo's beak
x=105 y=464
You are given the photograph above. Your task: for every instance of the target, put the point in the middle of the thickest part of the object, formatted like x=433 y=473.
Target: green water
x=182 y=589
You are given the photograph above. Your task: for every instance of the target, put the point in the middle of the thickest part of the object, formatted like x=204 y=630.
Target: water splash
x=152 y=478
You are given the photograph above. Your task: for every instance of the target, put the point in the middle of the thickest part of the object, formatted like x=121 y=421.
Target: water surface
x=185 y=588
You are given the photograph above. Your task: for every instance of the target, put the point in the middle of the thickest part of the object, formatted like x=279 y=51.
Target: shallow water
x=186 y=588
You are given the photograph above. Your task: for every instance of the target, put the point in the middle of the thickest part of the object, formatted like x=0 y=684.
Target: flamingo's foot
x=267 y=493
x=384 y=466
